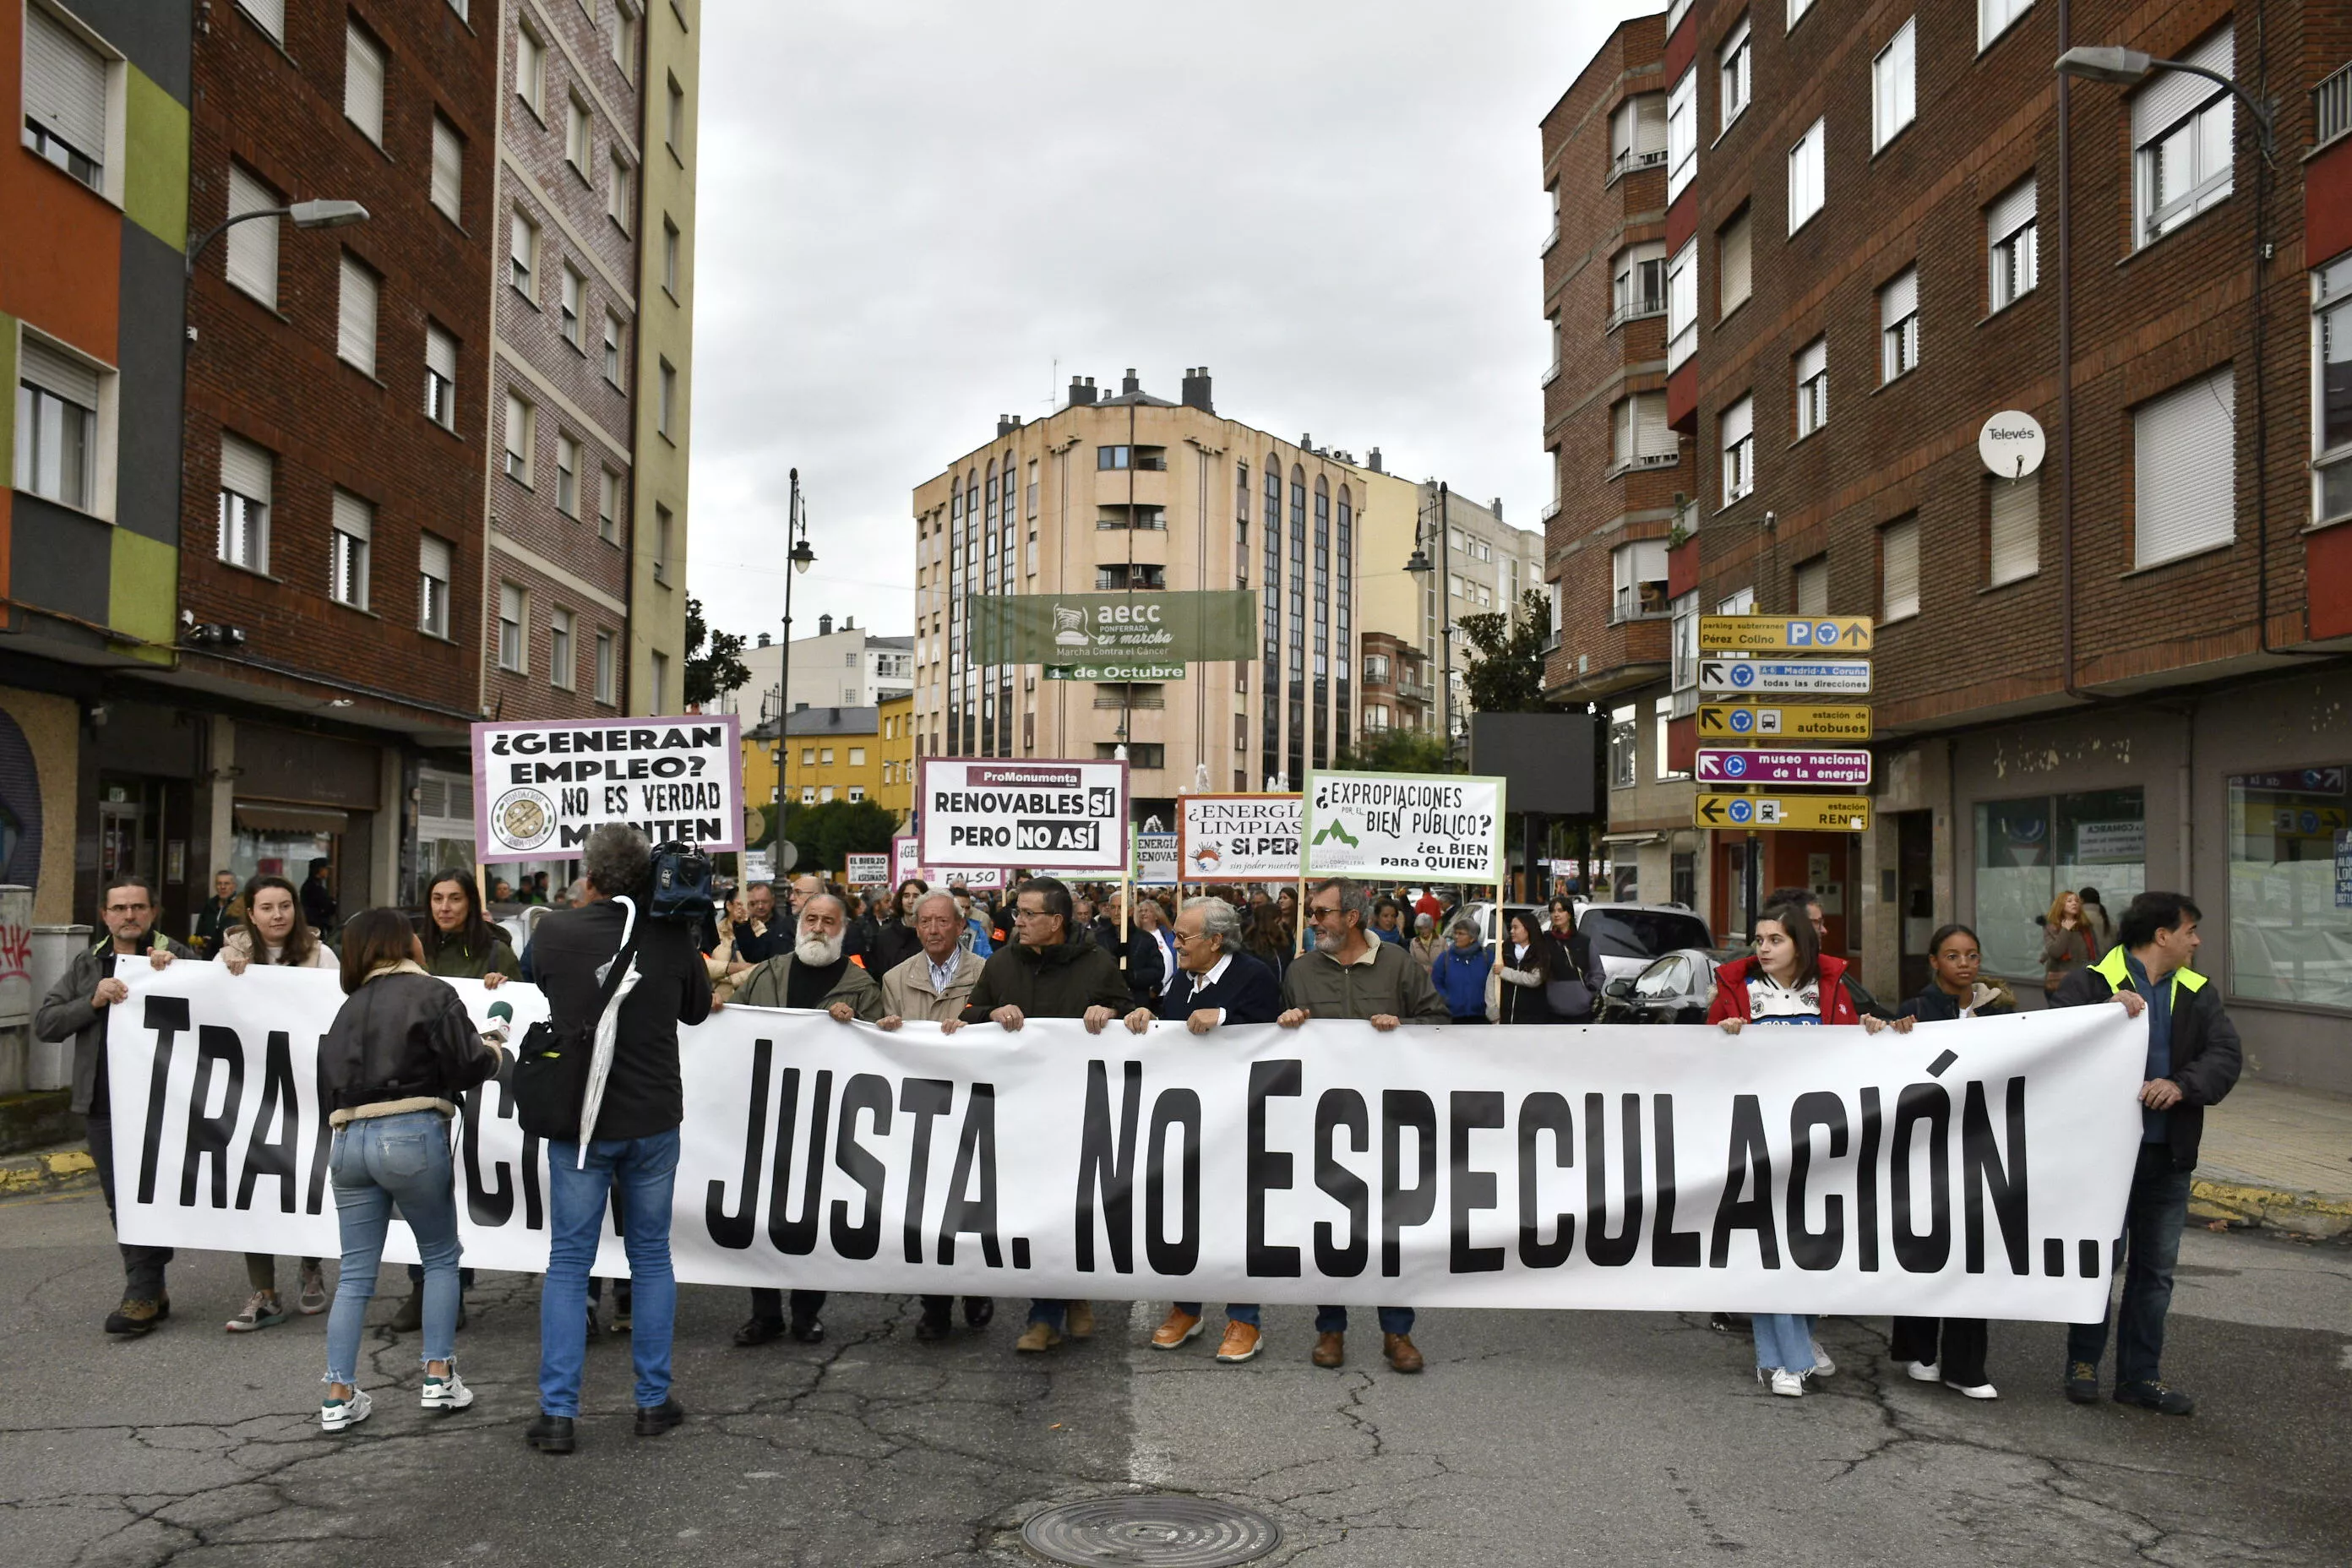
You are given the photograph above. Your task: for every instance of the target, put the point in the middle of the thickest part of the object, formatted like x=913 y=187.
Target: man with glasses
x=76 y=1008
x=1048 y=971
x=1348 y=974
x=1215 y=984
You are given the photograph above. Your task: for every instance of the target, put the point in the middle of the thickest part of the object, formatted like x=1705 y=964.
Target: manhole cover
x=1150 y=1532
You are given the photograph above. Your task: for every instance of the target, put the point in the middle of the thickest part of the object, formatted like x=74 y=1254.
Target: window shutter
x=1735 y=262
x=62 y=374
x=1650 y=123
x=449 y=167
x=2014 y=538
x=355 y=329
x=65 y=84
x=1738 y=422
x=2169 y=99
x=354 y=517
x=1813 y=587
x=517 y=427
x=252 y=246
x=1652 y=437
x=432 y=557
x=1620 y=129
x=2185 y=458
x=441 y=353
x=510 y=603
x=245 y=468
x=270 y=14
x=364 y=82
x=1898 y=554
x=1811 y=359
x=1900 y=298
x=2012 y=212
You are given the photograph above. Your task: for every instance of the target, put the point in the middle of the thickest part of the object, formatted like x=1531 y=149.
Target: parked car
x=1675 y=988
x=1626 y=939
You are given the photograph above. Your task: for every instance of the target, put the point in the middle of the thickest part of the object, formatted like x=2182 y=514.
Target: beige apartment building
x=1132 y=493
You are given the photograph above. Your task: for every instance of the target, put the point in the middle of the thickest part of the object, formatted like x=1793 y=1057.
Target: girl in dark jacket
x=459 y=945
x=393 y=1064
x=1531 y=961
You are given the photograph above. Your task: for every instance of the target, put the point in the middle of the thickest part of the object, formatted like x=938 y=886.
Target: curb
x=2317 y=1216
x=59 y=1171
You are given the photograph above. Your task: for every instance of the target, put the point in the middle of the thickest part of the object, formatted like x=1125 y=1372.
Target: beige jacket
x=908 y=991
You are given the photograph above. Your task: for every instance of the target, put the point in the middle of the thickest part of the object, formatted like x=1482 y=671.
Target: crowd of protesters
x=402 y=1052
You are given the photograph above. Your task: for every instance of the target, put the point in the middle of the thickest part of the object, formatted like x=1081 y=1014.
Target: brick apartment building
x=1882 y=227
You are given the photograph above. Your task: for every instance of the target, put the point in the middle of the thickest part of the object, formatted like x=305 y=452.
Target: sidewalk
x=2277 y=1157
x=65 y=1168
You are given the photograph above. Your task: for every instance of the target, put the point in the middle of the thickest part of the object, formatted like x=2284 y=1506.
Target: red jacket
x=1731 y=992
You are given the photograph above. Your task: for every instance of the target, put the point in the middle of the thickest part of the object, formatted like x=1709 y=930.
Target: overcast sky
x=910 y=212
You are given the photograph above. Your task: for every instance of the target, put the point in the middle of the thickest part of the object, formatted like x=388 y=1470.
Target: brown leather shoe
x=1178 y=1328
x=1080 y=1320
x=1330 y=1349
x=1398 y=1349
x=1239 y=1343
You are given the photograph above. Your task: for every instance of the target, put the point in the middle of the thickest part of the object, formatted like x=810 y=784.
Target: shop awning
x=270 y=816
x=1633 y=839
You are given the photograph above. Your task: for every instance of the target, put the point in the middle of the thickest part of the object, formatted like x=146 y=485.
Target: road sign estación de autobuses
x=1746 y=663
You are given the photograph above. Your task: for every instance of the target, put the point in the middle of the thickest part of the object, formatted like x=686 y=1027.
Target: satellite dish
x=2012 y=445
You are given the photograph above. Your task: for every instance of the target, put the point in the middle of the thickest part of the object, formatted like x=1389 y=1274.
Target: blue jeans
x=644 y=1170
x=2153 y=1215
x=1334 y=1320
x=1237 y=1312
x=1784 y=1341
x=378 y=1161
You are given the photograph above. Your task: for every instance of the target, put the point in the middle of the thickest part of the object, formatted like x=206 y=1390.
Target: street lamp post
x=1420 y=565
x=802 y=558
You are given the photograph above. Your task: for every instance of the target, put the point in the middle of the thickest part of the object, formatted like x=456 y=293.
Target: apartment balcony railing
x=1642 y=462
x=1550 y=510
x=1634 y=310
x=1626 y=161
x=1140 y=704
x=2331 y=106
x=1416 y=691
x=1680 y=346
x=1550 y=239
x=1550 y=375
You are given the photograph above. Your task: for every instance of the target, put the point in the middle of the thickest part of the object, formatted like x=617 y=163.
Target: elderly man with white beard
x=817 y=974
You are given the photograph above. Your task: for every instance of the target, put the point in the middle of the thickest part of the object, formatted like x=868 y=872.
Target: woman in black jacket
x=397 y=1058
x=1531 y=962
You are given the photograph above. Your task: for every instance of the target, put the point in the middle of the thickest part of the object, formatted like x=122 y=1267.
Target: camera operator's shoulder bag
x=551 y=1069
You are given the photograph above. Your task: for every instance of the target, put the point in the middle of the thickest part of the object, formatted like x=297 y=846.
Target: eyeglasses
x=1020 y=914
x=1319 y=910
x=1191 y=936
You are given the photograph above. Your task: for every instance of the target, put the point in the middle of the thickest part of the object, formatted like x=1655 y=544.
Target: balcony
x=1550 y=375
x=2331 y=107
x=1550 y=510
x=1416 y=691
x=1550 y=239
x=1626 y=161
x=1138 y=704
x=1641 y=463
x=1636 y=311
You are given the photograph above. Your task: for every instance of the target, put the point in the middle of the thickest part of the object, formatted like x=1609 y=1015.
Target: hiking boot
x=2154 y=1396
x=1037 y=1338
x=1398 y=1349
x=2083 y=1383
x=1242 y=1341
x=1178 y=1328
x=1330 y=1349
x=549 y=1434
x=653 y=1420
x=1081 y=1322
x=138 y=1315
x=262 y=1310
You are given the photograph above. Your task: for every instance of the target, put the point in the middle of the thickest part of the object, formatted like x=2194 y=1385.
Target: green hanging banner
x=1146 y=628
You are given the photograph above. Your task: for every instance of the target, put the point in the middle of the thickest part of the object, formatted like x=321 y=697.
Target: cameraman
x=633 y=1144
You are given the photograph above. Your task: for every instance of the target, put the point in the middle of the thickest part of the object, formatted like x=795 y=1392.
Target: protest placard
x=544 y=785
x=867 y=870
x=1443 y=828
x=1238 y=837
x=977 y=812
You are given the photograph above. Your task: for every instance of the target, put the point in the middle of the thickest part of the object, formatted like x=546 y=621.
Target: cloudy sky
x=916 y=216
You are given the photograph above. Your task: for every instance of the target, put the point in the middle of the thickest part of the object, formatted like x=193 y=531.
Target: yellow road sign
x=1722 y=722
x=1788 y=813
x=1784 y=634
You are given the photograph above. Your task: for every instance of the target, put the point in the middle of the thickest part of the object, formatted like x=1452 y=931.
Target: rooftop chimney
x=825 y=626
x=1306 y=443
x=1375 y=461
x=1082 y=392
x=1007 y=423
x=764 y=639
x=849 y=623
x=1129 y=385
x=1498 y=509
x=1196 y=390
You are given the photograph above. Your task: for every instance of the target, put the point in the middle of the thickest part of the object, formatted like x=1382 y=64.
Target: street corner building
x=1801 y=260
x=346 y=357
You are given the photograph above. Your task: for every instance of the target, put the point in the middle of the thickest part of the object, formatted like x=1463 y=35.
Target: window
x=1640 y=435
x=674 y=121
x=348 y=543
x=856 y=792
x=1811 y=580
x=1898 y=325
x=1376 y=716
x=1112 y=458
x=2331 y=421
x=1732 y=264
x=512 y=608
x=1682 y=134
x=2011 y=248
x=1640 y=572
x=1662 y=718
x=2184 y=130
x=1898 y=568
x=1140 y=754
x=1111 y=579
x=1894 y=86
x=1624 y=745
x=1638 y=282
x=567 y=474
x=530 y=71
x=560 y=672
x=2289 y=928
x=253 y=245
x=521 y=428
x=66 y=108
x=2184 y=452
x=856 y=756
x=1682 y=305
x=1376 y=670
x=579 y=145
x=825 y=755
x=440 y=377
x=1737 y=427
x=1685 y=640
x=1813 y=386
x=669 y=256
x=1732 y=58
x=667 y=409
x=2013 y=530
x=1675 y=11
x=524 y=257
x=1637 y=138
x=1993 y=17
x=605 y=683
x=663 y=530
x=625 y=39
x=364 y=82
x=574 y=293
x=1807 y=185
x=808 y=794
x=611 y=348
x=57 y=426
x=449 y=169
x=2027 y=850
x=808 y=756
x=608 y=506
x=1797 y=9
x=246 y=475
x=620 y=196
x=433 y=574
x=356 y=316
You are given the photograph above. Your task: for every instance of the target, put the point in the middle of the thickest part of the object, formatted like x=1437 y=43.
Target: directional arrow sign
x=1777 y=633
x=1793 y=765
x=1794 y=813
x=1789 y=676
x=1783 y=722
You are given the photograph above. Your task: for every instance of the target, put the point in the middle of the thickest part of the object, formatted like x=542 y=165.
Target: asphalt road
x=1533 y=1437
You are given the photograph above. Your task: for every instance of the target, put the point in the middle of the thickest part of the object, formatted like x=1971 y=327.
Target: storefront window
x=2028 y=849
x=2291 y=888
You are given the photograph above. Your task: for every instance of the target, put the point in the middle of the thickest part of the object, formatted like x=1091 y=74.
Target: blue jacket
x=1461 y=979
x=1247 y=991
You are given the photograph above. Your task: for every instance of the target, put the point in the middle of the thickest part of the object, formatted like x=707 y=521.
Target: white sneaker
x=337 y=1414
x=1785 y=1382
x=1981 y=1391
x=1923 y=1371
x=448 y=1393
x=1823 y=1365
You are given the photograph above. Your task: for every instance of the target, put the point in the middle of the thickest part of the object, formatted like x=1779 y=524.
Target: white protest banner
x=542 y=785
x=1155 y=860
x=1969 y=1169
x=983 y=812
x=867 y=870
x=905 y=856
x=1238 y=837
x=1447 y=827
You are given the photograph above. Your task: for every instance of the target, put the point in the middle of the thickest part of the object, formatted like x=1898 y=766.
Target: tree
x=827 y=835
x=712 y=671
x=1506 y=671
x=1398 y=751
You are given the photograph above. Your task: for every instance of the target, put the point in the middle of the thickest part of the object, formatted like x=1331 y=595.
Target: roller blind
x=449 y=167
x=2168 y=99
x=1734 y=240
x=62 y=374
x=1813 y=587
x=364 y=82
x=245 y=468
x=65 y=84
x=269 y=14
x=432 y=557
x=1650 y=123
x=252 y=246
x=440 y=353
x=355 y=328
x=1812 y=359
x=354 y=517
x=1652 y=437
x=1899 y=564
x=1738 y=422
x=2013 y=542
x=2185 y=462
x=1900 y=298
x=2012 y=212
